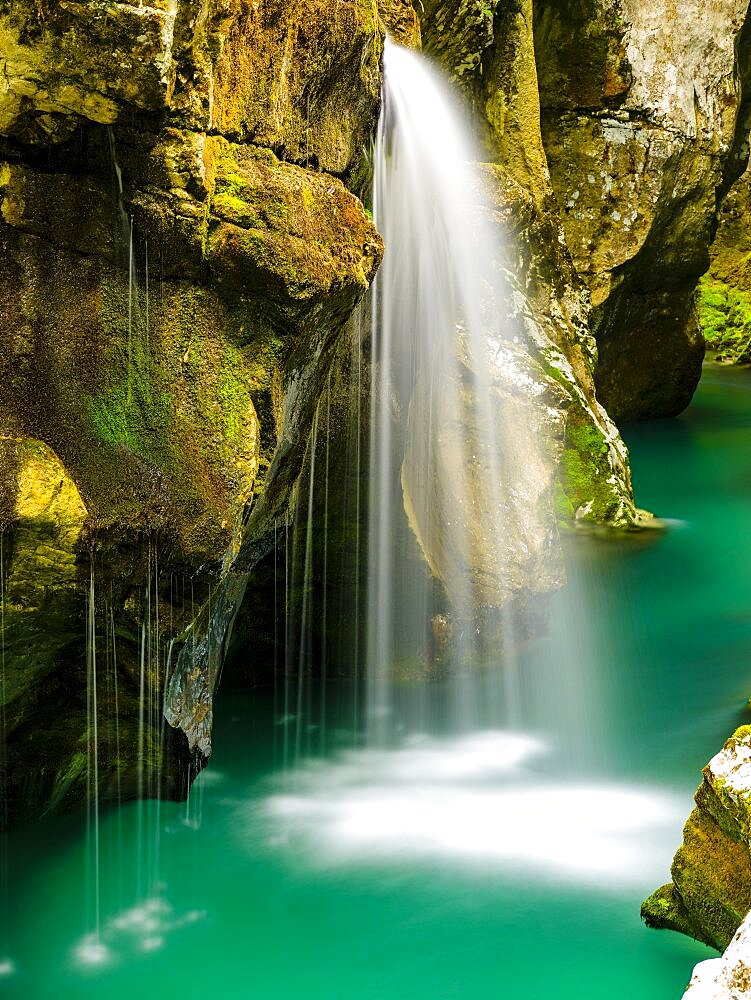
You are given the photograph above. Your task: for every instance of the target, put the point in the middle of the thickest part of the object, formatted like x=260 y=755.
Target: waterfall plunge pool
x=452 y=867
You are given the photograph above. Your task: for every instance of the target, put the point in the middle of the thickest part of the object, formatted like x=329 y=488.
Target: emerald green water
x=450 y=868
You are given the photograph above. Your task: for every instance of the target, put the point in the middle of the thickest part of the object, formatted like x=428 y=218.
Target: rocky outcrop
x=493 y=61
x=177 y=239
x=726 y=978
x=645 y=124
x=711 y=889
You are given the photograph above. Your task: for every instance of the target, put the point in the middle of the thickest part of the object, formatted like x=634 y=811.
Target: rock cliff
x=644 y=136
x=176 y=234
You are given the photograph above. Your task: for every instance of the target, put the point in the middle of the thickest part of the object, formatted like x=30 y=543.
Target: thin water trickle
x=325 y=575
x=6 y=965
x=124 y=218
x=92 y=774
x=131 y=292
x=304 y=642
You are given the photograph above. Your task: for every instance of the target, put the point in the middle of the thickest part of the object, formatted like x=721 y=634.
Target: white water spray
x=453 y=444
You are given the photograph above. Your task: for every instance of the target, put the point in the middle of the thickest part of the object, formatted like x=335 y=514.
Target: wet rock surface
x=174 y=231
x=726 y=978
x=643 y=140
x=710 y=894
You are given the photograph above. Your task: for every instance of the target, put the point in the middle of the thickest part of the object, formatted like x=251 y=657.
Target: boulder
x=710 y=893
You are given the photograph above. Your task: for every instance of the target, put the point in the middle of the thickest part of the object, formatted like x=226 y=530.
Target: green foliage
x=725 y=318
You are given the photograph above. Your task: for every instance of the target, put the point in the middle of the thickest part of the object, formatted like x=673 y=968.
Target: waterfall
x=480 y=666
x=454 y=464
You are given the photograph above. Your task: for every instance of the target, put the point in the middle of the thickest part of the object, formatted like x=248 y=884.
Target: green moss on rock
x=710 y=893
x=725 y=317
x=294 y=239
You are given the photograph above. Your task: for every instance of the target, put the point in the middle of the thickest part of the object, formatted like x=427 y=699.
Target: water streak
x=454 y=532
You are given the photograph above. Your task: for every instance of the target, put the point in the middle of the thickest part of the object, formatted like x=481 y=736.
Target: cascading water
x=6 y=965
x=473 y=738
x=454 y=462
x=453 y=854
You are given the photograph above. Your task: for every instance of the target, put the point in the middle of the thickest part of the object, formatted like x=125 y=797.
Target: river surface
x=497 y=863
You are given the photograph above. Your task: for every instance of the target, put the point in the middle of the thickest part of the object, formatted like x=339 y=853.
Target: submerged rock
x=711 y=889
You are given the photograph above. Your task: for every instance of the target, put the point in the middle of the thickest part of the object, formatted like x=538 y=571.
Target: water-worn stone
x=711 y=889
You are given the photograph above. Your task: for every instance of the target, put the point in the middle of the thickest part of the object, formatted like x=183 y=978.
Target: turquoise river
x=470 y=866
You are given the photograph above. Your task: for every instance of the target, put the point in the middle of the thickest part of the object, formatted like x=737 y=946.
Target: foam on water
x=140 y=928
x=474 y=799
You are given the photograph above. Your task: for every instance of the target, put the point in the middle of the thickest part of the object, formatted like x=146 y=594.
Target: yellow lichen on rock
x=277 y=80
x=48 y=496
x=711 y=889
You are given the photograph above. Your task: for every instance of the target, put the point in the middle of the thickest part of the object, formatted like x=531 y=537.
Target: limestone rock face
x=643 y=138
x=262 y=73
x=177 y=242
x=711 y=889
x=81 y=59
x=494 y=64
x=42 y=504
x=44 y=528
x=726 y=978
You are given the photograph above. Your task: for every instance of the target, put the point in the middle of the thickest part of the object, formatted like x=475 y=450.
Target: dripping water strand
x=275 y=712
x=112 y=645
x=325 y=571
x=6 y=966
x=92 y=731
x=358 y=516
x=284 y=721
x=304 y=651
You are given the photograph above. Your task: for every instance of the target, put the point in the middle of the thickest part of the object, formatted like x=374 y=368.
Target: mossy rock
x=710 y=894
x=296 y=240
x=725 y=318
